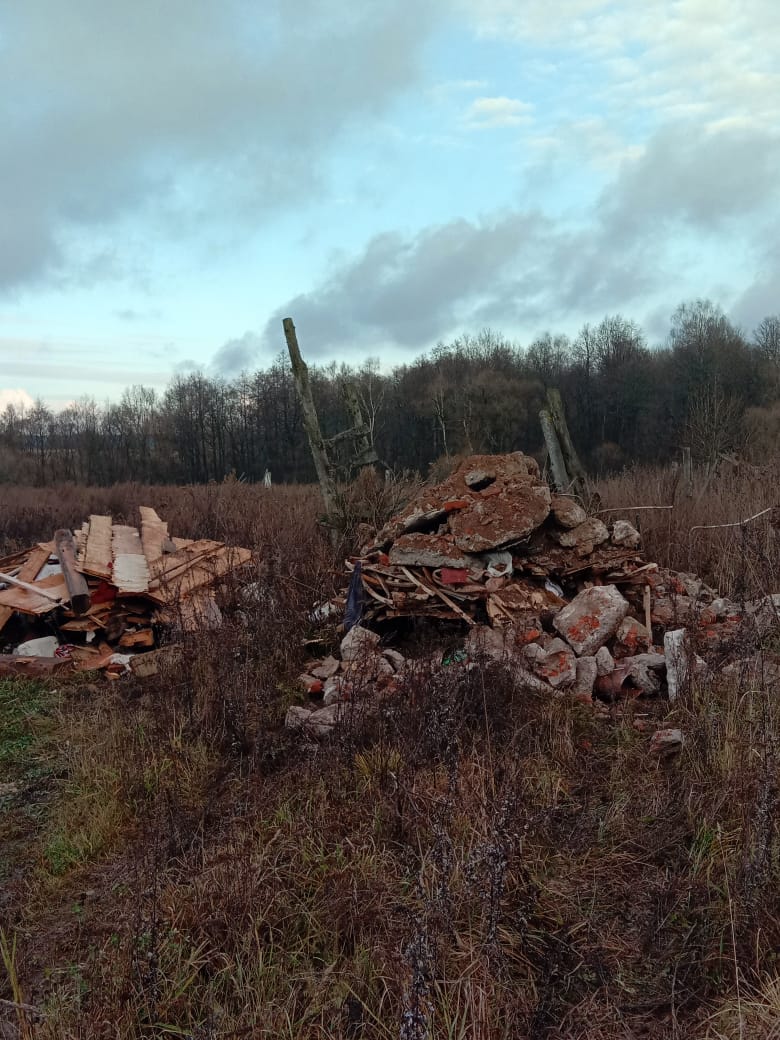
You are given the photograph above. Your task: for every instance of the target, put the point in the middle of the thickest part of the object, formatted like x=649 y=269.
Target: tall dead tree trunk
x=311 y=422
x=557 y=465
x=574 y=467
x=365 y=453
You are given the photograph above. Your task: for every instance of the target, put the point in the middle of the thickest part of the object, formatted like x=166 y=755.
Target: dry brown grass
x=478 y=863
x=739 y=561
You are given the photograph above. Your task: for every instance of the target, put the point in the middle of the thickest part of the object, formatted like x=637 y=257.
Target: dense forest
x=710 y=386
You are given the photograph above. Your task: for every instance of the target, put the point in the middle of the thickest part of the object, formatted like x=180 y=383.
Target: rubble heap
x=494 y=544
x=105 y=592
x=567 y=599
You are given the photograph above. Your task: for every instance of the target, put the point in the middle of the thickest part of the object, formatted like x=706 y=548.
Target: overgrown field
x=480 y=863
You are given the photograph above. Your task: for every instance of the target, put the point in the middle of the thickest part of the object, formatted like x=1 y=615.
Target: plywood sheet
x=28 y=571
x=154 y=535
x=97 y=552
x=27 y=602
x=201 y=573
x=130 y=571
x=169 y=567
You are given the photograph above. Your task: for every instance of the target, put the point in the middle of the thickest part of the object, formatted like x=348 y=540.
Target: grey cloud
x=199 y=111
x=687 y=180
x=525 y=270
x=185 y=367
x=701 y=178
x=762 y=299
x=237 y=355
x=407 y=292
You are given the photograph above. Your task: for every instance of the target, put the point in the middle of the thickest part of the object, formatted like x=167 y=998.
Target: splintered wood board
x=80 y=542
x=8 y=564
x=130 y=571
x=200 y=573
x=28 y=571
x=154 y=534
x=26 y=601
x=97 y=550
x=170 y=566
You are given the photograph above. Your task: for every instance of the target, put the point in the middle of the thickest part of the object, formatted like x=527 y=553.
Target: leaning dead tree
x=567 y=471
x=357 y=439
x=310 y=421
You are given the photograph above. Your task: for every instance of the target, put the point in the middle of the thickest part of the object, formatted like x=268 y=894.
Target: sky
x=179 y=176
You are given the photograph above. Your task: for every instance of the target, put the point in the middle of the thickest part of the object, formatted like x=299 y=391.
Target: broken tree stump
x=75 y=582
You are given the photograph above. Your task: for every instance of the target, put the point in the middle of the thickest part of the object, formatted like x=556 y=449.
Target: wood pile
x=109 y=588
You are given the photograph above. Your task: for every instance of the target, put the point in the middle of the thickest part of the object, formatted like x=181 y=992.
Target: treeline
x=710 y=386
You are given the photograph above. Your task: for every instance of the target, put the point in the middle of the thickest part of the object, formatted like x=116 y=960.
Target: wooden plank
x=27 y=602
x=130 y=571
x=29 y=570
x=144 y=637
x=9 y=564
x=82 y=624
x=33 y=667
x=97 y=554
x=201 y=573
x=169 y=567
x=154 y=535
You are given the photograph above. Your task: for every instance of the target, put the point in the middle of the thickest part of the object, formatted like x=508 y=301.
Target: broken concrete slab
x=632 y=636
x=667 y=741
x=396 y=659
x=311 y=684
x=587 y=672
x=591 y=618
x=646 y=672
x=626 y=535
x=319 y=723
x=358 y=642
x=427 y=550
x=677 y=654
x=567 y=511
x=556 y=664
x=325 y=669
x=584 y=537
x=605 y=662
x=484 y=641
x=335 y=689
x=502 y=520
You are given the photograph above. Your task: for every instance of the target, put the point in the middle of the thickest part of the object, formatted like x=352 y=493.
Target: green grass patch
x=26 y=723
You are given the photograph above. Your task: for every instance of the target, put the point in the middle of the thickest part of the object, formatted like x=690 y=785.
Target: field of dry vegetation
x=479 y=863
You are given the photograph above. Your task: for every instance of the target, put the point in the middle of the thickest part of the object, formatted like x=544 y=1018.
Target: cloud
x=700 y=177
x=710 y=58
x=490 y=113
x=689 y=193
x=187 y=367
x=18 y=398
x=762 y=298
x=409 y=291
x=101 y=117
x=237 y=355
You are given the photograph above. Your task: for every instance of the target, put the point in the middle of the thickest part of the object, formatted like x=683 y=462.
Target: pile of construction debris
x=101 y=597
x=564 y=598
